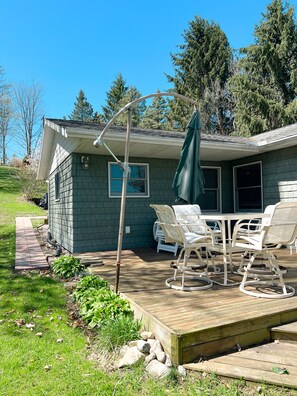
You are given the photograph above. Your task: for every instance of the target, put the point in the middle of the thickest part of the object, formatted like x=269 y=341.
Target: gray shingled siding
x=279 y=170
x=91 y=218
x=61 y=212
x=96 y=216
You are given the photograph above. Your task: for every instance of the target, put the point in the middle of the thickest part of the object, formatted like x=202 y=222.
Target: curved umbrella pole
x=125 y=166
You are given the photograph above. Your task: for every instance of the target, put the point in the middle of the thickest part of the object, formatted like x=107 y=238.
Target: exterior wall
x=86 y=219
x=60 y=214
x=279 y=173
x=96 y=216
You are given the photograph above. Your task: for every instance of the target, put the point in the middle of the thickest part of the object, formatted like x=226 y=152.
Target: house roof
x=61 y=137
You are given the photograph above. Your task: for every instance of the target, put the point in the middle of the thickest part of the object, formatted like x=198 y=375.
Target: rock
x=123 y=350
x=157 y=369
x=155 y=345
x=132 y=356
x=168 y=361
x=145 y=335
x=149 y=358
x=182 y=371
x=132 y=343
x=161 y=356
x=143 y=346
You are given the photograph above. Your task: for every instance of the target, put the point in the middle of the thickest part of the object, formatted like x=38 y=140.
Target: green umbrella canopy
x=188 y=181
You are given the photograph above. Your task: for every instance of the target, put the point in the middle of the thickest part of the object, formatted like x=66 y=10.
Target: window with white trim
x=137 y=183
x=210 y=201
x=248 y=187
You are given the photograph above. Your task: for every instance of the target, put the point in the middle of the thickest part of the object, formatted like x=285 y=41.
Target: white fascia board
x=277 y=144
x=60 y=129
x=46 y=152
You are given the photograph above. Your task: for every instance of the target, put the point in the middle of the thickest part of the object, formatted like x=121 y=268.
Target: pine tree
x=202 y=69
x=155 y=115
x=137 y=110
x=83 y=111
x=114 y=97
x=265 y=86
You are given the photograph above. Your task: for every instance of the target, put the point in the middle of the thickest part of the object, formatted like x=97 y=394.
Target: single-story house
x=241 y=174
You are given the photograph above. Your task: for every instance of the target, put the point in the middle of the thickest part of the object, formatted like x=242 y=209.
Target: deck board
x=256 y=364
x=198 y=322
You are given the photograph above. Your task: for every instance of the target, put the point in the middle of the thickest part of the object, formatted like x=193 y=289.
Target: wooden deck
x=195 y=325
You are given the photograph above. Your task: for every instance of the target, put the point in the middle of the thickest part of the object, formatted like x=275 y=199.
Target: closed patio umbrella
x=188 y=183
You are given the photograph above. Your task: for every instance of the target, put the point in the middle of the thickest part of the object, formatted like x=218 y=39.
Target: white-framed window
x=57 y=186
x=248 y=194
x=137 y=183
x=210 y=201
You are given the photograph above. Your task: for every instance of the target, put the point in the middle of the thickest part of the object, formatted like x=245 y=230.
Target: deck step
x=274 y=363
x=285 y=332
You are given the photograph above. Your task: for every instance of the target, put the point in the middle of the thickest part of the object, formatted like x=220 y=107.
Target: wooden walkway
x=193 y=326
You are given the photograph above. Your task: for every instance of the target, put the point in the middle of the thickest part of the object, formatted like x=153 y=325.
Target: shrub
x=88 y=283
x=67 y=267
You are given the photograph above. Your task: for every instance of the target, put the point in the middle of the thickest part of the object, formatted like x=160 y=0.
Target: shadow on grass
x=27 y=291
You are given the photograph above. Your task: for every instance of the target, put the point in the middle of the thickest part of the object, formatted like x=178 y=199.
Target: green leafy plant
x=87 y=284
x=67 y=267
x=97 y=307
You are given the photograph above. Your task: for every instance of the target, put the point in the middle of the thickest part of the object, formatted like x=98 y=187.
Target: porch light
x=85 y=160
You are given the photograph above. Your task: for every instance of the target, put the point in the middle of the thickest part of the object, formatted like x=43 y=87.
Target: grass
x=49 y=356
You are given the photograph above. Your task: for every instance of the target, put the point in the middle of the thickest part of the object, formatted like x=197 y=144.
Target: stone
x=133 y=355
x=157 y=369
x=182 y=371
x=149 y=358
x=161 y=356
x=155 y=345
x=132 y=343
x=145 y=335
x=143 y=346
x=168 y=361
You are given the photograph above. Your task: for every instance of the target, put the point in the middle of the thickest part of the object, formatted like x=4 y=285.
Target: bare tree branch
x=28 y=108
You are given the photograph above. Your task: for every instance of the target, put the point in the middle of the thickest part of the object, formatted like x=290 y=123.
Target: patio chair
x=189 y=216
x=254 y=226
x=159 y=237
x=281 y=228
x=190 y=243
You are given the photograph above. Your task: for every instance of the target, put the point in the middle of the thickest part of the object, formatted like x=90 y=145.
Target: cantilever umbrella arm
x=125 y=166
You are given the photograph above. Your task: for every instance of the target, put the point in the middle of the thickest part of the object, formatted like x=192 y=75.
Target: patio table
x=225 y=246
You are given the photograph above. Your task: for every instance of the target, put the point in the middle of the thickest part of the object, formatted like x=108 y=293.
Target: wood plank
x=248 y=373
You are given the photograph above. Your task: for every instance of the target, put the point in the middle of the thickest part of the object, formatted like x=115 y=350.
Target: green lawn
x=49 y=356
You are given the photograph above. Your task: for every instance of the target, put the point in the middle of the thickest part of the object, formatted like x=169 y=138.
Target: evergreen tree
x=202 y=69
x=114 y=97
x=155 y=115
x=83 y=111
x=265 y=86
x=137 y=111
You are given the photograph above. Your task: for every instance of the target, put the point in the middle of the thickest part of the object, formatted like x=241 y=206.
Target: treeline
x=240 y=93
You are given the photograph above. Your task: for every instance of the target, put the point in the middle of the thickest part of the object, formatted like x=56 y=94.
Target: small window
x=137 y=183
x=57 y=186
x=211 y=199
x=248 y=187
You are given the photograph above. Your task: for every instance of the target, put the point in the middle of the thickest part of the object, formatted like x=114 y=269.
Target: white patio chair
x=159 y=237
x=190 y=242
x=253 y=226
x=279 y=230
x=189 y=216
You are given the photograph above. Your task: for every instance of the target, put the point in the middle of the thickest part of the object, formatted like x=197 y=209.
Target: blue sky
x=68 y=45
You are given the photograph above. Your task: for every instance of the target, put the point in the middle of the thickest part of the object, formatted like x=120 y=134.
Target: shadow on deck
x=196 y=325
